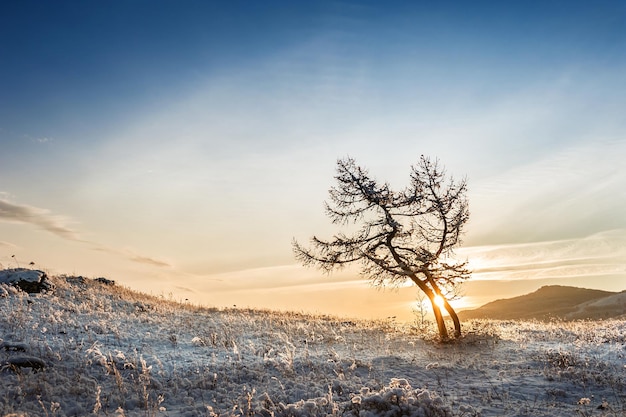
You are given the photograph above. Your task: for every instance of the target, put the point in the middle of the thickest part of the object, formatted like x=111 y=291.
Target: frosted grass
x=113 y=352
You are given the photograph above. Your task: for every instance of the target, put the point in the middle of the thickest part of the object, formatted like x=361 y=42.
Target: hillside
x=92 y=347
x=553 y=301
x=605 y=307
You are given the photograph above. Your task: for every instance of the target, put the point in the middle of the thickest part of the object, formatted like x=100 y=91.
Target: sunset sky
x=178 y=147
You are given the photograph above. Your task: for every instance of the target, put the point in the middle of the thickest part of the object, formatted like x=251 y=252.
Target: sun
x=439 y=301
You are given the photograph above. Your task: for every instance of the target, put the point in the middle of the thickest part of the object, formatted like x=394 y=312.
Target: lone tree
x=397 y=235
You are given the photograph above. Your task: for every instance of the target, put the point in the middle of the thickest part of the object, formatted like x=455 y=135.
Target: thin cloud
x=131 y=256
x=184 y=289
x=599 y=254
x=272 y=278
x=57 y=225
x=149 y=261
x=39 y=139
x=566 y=194
x=38 y=217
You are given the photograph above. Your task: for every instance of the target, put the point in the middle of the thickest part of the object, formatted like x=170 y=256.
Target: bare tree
x=397 y=235
x=420 y=311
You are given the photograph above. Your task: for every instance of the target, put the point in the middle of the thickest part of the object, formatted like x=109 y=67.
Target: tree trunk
x=454 y=317
x=448 y=307
x=441 y=324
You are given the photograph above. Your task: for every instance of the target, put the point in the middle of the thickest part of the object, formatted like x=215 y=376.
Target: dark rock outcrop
x=16 y=363
x=104 y=281
x=28 y=280
x=13 y=346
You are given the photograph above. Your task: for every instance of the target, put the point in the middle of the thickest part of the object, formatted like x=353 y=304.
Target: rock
x=104 y=281
x=14 y=346
x=28 y=280
x=16 y=363
x=80 y=280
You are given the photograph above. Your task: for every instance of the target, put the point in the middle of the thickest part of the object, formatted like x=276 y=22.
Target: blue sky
x=179 y=146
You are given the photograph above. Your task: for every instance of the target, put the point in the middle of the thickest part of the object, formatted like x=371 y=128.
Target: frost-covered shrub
x=10 y=290
x=398 y=399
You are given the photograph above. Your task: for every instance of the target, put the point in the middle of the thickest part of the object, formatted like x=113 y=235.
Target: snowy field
x=108 y=351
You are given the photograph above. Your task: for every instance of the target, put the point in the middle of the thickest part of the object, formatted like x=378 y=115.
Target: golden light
x=439 y=301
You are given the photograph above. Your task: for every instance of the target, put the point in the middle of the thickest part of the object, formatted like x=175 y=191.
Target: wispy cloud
x=130 y=255
x=148 y=260
x=38 y=139
x=57 y=225
x=184 y=289
x=277 y=276
x=566 y=194
x=41 y=218
x=600 y=254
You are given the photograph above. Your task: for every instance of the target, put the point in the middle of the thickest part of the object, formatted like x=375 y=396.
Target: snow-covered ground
x=109 y=351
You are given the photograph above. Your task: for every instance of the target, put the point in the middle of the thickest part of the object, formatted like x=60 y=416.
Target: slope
x=605 y=307
x=89 y=347
x=551 y=301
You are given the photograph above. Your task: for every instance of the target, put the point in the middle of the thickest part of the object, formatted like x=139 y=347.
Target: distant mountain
x=554 y=301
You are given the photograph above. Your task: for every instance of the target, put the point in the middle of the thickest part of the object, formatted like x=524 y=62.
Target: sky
x=179 y=147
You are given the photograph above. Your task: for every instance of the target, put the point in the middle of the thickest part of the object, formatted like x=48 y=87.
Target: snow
x=110 y=351
x=10 y=276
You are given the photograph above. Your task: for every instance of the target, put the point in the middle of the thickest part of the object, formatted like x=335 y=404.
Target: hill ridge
x=553 y=302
